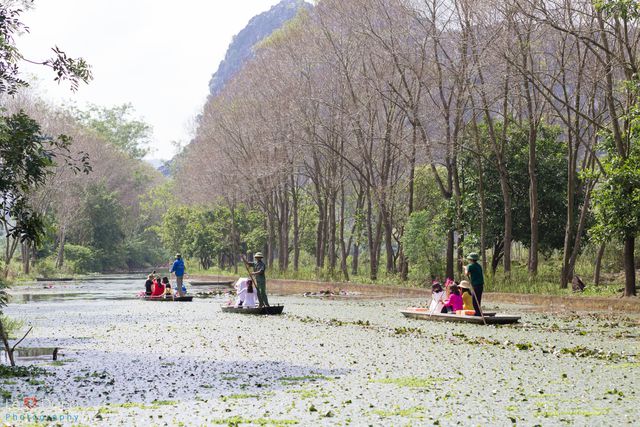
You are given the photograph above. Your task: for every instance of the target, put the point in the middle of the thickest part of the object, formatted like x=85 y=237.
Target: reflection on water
x=50 y=297
x=110 y=287
x=30 y=354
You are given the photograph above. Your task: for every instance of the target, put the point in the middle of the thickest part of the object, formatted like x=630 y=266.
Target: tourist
x=241 y=291
x=260 y=279
x=178 y=269
x=148 y=285
x=250 y=295
x=158 y=288
x=454 y=303
x=168 y=293
x=474 y=272
x=467 y=298
x=437 y=298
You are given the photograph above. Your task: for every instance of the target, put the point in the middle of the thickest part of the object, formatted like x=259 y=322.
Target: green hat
x=258 y=255
x=474 y=256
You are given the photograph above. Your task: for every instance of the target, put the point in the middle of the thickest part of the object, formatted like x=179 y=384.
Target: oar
x=246 y=264
x=473 y=293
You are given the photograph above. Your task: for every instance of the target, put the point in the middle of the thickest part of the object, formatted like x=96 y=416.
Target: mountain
x=241 y=47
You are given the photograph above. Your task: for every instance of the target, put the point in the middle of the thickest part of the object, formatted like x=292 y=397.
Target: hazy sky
x=157 y=55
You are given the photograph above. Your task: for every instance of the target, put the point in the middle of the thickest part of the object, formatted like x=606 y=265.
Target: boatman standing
x=178 y=269
x=260 y=279
x=474 y=272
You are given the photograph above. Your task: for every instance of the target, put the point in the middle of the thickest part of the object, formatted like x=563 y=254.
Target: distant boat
x=222 y=284
x=188 y=298
x=273 y=310
x=489 y=318
x=54 y=279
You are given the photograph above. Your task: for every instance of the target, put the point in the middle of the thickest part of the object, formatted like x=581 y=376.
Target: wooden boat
x=222 y=284
x=489 y=318
x=274 y=309
x=187 y=298
x=54 y=279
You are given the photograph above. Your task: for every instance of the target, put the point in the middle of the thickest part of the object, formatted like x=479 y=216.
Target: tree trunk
x=296 y=225
x=26 y=257
x=450 y=251
x=629 y=267
x=598 y=268
x=5 y=342
x=61 y=242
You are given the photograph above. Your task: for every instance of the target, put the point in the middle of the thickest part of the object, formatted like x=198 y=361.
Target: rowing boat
x=54 y=279
x=274 y=309
x=225 y=284
x=493 y=319
x=187 y=298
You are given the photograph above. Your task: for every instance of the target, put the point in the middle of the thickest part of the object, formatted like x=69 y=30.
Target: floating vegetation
x=330 y=322
x=414 y=412
x=595 y=412
x=304 y=393
x=412 y=382
x=305 y=378
x=237 y=421
x=581 y=351
x=243 y=396
x=403 y=330
x=21 y=371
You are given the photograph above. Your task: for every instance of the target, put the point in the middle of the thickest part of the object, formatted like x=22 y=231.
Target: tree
x=117 y=126
x=20 y=138
x=73 y=70
x=27 y=158
x=617 y=196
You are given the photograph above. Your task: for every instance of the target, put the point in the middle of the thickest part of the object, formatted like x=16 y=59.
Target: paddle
x=473 y=293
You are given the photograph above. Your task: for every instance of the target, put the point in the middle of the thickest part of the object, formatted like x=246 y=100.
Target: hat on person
x=178 y=255
x=258 y=255
x=465 y=285
x=474 y=256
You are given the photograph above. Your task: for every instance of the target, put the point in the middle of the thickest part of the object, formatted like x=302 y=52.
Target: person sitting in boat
x=148 y=285
x=437 y=298
x=467 y=298
x=158 y=288
x=168 y=293
x=250 y=295
x=454 y=303
x=241 y=291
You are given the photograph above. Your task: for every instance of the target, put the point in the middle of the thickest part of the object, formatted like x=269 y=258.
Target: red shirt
x=158 y=289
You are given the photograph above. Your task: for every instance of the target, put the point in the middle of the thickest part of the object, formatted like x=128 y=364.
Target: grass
x=547 y=281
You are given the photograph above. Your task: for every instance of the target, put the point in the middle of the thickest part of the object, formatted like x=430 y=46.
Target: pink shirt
x=455 y=302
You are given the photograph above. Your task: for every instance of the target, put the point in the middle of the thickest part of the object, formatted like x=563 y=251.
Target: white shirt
x=241 y=290
x=437 y=302
x=250 y=298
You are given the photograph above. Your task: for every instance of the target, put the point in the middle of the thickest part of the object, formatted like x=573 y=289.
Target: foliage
x=116 y=126
x=551 y=170
x=83 y=258
x=205 y=233
x=27 y=160
x=73 y=70
x=617 y=196
x=423 y=238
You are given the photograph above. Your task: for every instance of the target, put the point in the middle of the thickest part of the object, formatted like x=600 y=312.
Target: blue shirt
x=178 y=267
